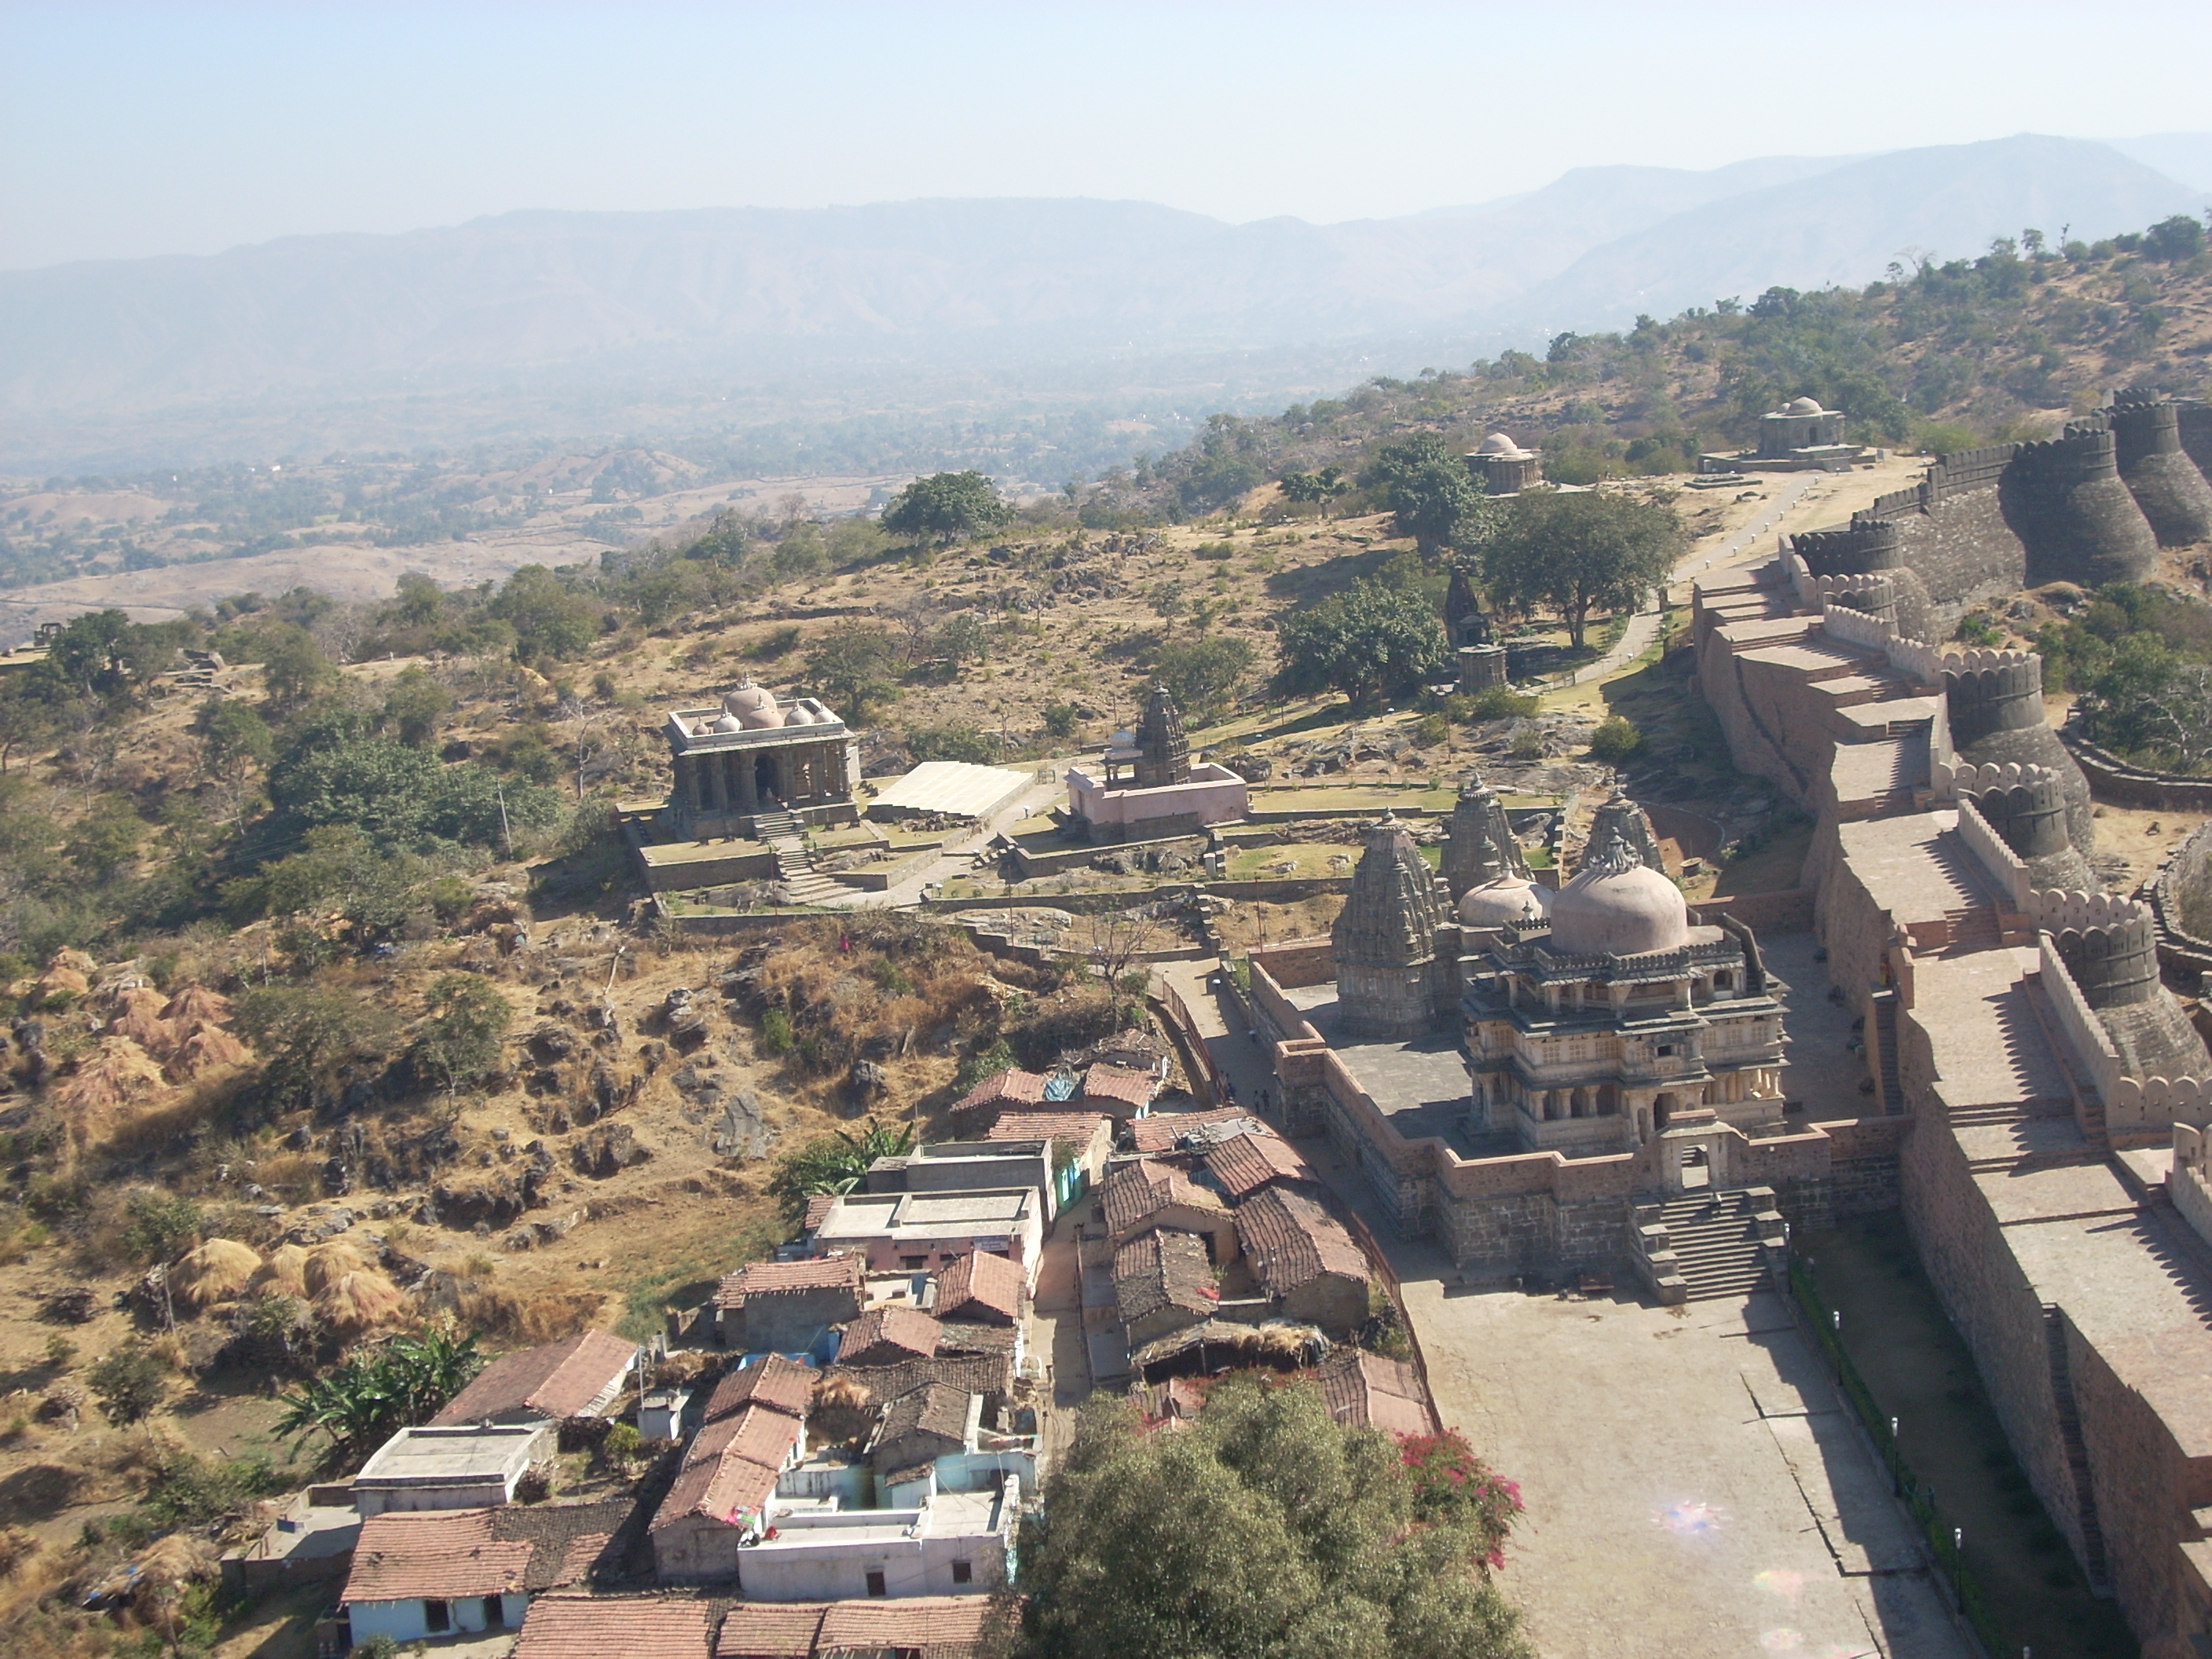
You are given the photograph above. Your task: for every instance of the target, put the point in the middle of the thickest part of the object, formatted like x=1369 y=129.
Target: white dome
x=1802 y=406
x=754 y=706
x=1503 y=899
x=797 y=714
x=1498 y=444
x=1619 y=906
x=725 y=722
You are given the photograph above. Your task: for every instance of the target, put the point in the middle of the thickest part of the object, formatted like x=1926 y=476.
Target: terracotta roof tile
x=1134 y=1194
x=936 y=1626
x=1244 y=1164
x=817 y=1210
x=1121 y=1085
x=1077 y=1126
x=444 y=1553
x=634 y=1627
x=1011 y=1087
x=1161 y=1131
x=990 y=1373
x=979 y=1286
x=769 y=1630
x=1291 y=1241
x=821 y=1273
x=731 y=1467
x=560 y=1379
x=1371 y=1391
x=888 y=1334
x=934 y=1408
x=1163 y=1269
x=785 y=1385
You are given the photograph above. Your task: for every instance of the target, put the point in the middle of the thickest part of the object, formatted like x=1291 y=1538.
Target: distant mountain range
x=574 y=324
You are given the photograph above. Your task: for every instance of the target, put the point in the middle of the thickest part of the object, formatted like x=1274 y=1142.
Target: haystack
x=358 y=1302
x=283 y=1272
x=138 y=1017
x=107 y=1084
x=211 y=1049
x=328 y=1263
x=195 y=1006
x=59 y=981
x=219 y=1271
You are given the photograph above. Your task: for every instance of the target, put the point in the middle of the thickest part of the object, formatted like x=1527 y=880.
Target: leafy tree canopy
x=1376 y=639
x=1578 y=552
x=551 y=619
x=1264 y=1531
x=946 y=508
x=855 y=665
x=373 y=1394
x=1205 y=674
x=337 y=771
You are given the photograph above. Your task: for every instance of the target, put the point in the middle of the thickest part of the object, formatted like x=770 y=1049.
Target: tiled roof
x=1011 y=1087
x=1163 y=1269
x=1292 y=1240
x=817 y=1210
x=1137 y=1192
x=936 y=1626
x=934 y=1408
x=769 y=1630
x=979 y=1286
x=634 y=1627
x=784 y=1384
x=1161 y=1131
x=972 y=1336
x=1104 y=1082
x=1371 y=1391
x=731 y=1467
x=439 y=1553
x=903 y=1331
x=404 y=1556
x=821 y=1273
x=990 y=1373
x=1077 y=1126
x=1244 y=1164
x=560 y=1379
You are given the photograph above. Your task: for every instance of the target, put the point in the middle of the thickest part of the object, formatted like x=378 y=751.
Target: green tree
x=2177 y=241
x=294 y=667
x=377 y=1391
x=460 y=1043
x=552 y=621
x=1376 y=639
x=336 y=771
x=26 y=719
x=414 y=706
x=946 y=508
x=158 y=1226
x=853 y=664
x=103 y=653
x=1204 y=675
x=1311 y=489
x=130 y=1383
x=1264 y=1531
x=1433 y=497
x=104 y=841
x=964 y=638
x=837 y=1163
x=304 y=1034
x=1579 y=552
x=232 y=735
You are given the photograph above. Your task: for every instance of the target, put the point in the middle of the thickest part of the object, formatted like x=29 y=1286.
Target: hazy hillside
x=849 y=326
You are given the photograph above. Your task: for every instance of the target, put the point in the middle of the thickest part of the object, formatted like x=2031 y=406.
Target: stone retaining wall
x=2112 y=778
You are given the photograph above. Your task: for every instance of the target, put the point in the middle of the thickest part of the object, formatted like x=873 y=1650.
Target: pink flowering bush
x=1454 y=1487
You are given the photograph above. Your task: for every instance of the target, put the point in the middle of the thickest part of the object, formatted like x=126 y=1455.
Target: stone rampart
x=1787 y=912
x=2124 y=784
x=1296 y=964
x=2005 y=869
x=1994 y=700
x=2064 y=497
x=2189 y=1182
x=2194 y=419
x=2166 y=484
x=2138 y=1111
x=2184 y=875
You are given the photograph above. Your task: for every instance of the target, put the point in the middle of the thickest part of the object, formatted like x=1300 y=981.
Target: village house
x=921 y=1232
x=888 y=1335
x=784 y=1307
x=933 y=1626
x=1244 y=1163
x=572 y=1626
x=415 y=1576
x=982 y=1289
x=720 y=1501
x=1011 y=1091
x=1304 y=1260
x=949 y=1544
x=1164 y=1282
x=1371 y=1391
x=1120 y=1091
x=580 y=1376
x=1144 y=1195
x=460 y=1466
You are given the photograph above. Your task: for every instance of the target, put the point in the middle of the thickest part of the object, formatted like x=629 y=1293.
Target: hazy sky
x=188 y=128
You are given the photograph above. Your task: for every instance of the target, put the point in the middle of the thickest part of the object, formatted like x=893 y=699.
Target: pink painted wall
x=1214 y=795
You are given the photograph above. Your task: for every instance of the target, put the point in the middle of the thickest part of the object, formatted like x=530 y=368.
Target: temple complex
x=1385 y=938
x=1798 y=436
x=1504 y=466
x=1147 y=786
x=749 y=757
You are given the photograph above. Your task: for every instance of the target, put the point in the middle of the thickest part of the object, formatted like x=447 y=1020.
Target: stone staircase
x=778 y=826
x=1978 y=929
x=1890 y=1083
x=1706 y=1245
x=2077 y=1455
x=794 y=866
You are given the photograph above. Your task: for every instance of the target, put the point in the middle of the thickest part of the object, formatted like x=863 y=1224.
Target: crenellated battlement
x=1864 y=546
x=1993 y=691
x=2168 y=485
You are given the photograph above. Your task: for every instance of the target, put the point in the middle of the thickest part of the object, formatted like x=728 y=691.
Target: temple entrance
x=1661 y=1110
x=1697 y=1168
x=764 y=789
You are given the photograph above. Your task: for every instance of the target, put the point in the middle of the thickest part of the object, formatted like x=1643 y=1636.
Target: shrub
x=129 y=1383
x=1060 y=719
x=621 y=1443
x=775 y=1032
x=1432 y=730
x=1527 y=745
x=159 y=1225
x=1615 y=739
x=1497 y=703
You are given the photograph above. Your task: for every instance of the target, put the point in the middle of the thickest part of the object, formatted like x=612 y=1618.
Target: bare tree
x=1119 y=938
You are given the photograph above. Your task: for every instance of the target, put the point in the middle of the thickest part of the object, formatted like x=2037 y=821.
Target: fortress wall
x=1963 y=553
x=1989 y=1299
x=2165 y=483
x=2064 y=498
x=2193 y=423
x=2112 y=778
x=2146 y=1485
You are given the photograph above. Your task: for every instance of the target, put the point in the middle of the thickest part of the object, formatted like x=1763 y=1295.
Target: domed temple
x=750 y=756
x=1615 y=1019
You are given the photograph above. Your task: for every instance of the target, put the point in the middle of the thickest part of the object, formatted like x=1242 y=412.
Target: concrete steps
x=1891 y=1084
x=1705 y=1245
x=794 y=868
